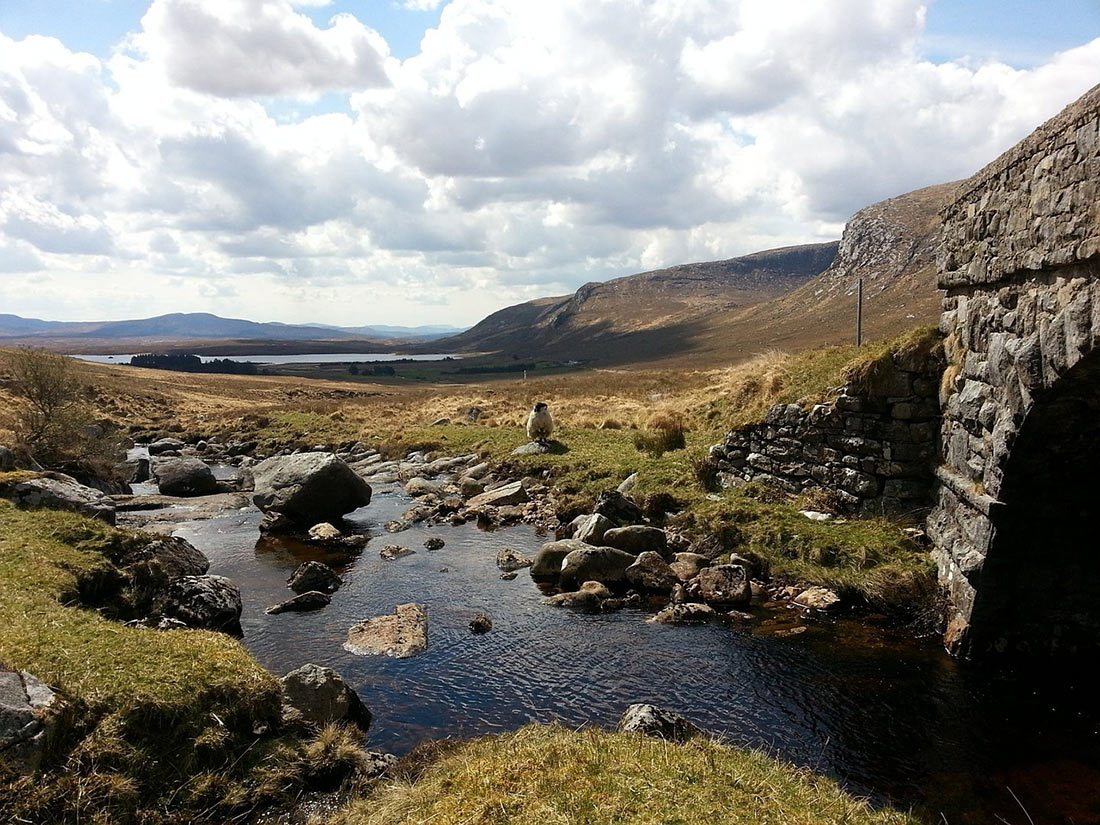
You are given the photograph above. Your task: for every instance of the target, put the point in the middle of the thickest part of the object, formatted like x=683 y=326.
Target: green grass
x=159 y=725
x=539 y=775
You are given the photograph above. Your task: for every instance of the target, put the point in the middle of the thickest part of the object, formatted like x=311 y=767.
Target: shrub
x=664 y=431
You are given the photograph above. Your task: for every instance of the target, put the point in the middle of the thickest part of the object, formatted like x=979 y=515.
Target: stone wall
x=875 y=446
x=1020 y=263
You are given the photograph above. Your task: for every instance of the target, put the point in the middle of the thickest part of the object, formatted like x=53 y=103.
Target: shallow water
x=891 y=717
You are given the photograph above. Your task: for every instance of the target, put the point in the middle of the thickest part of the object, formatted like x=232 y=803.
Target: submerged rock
x=687 y=613
x=481 y=624
x=510 y=560
x=434 y=543
x=314 y=575
x=318 y=696
x=658 y=722
x=310 y=600
x=309 y=488
x=395 y=551
x=402 y=634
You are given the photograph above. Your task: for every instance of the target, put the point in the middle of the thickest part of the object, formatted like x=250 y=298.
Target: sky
x=431 y=161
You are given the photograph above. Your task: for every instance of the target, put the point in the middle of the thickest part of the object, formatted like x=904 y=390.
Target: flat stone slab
x=402 y=634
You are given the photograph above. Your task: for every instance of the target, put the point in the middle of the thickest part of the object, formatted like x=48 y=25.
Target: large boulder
x=651 y=573
x=7 y=459
x=724 y=586
x=184 y=477
x=818 y=598
x=28 y=717
x=504 y=496
x=206 y=602
x=547 y=562
x=177 y=557
x=318 y=696
x=60 y=492
x=601 y=564
x=309 y=488
x=654 y=721
x=637 y=539
x=616 y=507
x=591 y=529
x=686 y=566
x=314 y=575
x=166 y=445
x=401 y=634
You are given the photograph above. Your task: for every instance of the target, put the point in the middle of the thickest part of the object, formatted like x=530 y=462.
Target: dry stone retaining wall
x=875 y=447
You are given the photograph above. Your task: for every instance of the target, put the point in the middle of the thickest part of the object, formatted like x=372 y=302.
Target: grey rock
x=650 y=573
x=508 y=494
x=184 y=477
x=532 y=448
x=628 y=484
x=818 y=598
x=686 y=566
x=319 y=696
x=395 y=551
x=166 y=445
x=657 y=722
x=601 y=564
x=28 y=719
x=582 y=600
x=418 y=487
x=434 y=543
x=618 y=508
x=309 y=488
x=591 y=529
x=175 y=556
x=724 y=586
x=509 y=560
x=686 y=613
x=303 y=602
x=206 y=602
x=548 y=560
x=314 y=575
x=61 y=492
x=637 y=539
x=481 y=624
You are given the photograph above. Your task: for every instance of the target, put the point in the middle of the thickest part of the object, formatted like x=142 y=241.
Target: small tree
x=52 y=420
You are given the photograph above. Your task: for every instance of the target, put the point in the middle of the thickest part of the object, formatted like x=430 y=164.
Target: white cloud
x=528 y=148
x=423 y=5
x=240 y=48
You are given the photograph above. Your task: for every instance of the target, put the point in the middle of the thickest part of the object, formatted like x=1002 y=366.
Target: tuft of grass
x=542 y=774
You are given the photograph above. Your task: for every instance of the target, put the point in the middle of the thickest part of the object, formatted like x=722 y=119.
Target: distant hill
x=652 y=314
x=181 y=327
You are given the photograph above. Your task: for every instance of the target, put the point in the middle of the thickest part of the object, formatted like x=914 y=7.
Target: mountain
x=651 y=314
x=425 y=333
x=725 y=311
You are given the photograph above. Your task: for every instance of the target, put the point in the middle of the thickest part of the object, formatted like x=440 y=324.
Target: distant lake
x=316 y=358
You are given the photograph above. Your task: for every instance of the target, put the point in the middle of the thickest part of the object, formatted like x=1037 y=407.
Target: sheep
x=540 y=424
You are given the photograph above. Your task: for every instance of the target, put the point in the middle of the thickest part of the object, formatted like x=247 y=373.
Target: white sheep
x=540 y=423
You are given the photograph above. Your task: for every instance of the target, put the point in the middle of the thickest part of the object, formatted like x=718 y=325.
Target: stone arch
x=1039 y=586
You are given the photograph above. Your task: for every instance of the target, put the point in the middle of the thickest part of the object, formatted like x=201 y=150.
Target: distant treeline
x=492 y=368
x=192 y=363
x=372 y=369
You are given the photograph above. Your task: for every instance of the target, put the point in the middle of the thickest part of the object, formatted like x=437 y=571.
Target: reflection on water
x=892 y=718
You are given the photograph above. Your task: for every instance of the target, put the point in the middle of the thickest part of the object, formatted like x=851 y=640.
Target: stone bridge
x=1013 y=521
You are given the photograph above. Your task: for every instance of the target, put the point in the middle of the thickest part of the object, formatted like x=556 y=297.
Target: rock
x=310 y=600
x=324 y=532
x=177 y=557
x=509 y=576
x=60 y=492
x=601 y=564
x=166 y=445
x=584 y=600
x=481 y=624
x=434 y=543
x=440 y=422
x=418 y=487
x=654 y=721
x=395 y=551
x=379 y=764
x=318 y=696
x=509 y=560
x=756 y=565
x=276 y=523
x=783 y=633
x=314 y=575
x=206 y=602
x=401 y=634
x=28 y=718
x=723 y=586
x=140 y=470
x=637 y=539
x=816 y=515
x=513 y=493
x=628 y=484
x=598 y=589
x=479 y=471
x=591 y=529
x=399 y=525
x=686 y=566
x=618 y=508
x=818 y=598
x=532 y=448
x=309 y=488
x=7 y=460
x=650 y=573
x=686 y=613
x=184 y=477
x=470 y=487
x=547 y=561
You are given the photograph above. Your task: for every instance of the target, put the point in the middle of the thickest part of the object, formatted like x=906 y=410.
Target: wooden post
x=859 y=313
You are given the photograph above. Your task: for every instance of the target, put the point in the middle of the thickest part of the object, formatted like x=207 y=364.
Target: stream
x=891 y=717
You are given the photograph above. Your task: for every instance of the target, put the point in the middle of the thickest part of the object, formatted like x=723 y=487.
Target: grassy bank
x=542 y=775
x=159 y=726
